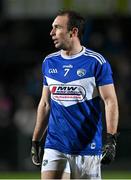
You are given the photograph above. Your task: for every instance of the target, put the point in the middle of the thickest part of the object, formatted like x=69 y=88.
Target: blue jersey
x=75 y=122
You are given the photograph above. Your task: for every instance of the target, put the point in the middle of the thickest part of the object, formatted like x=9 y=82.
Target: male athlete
x=74 y=80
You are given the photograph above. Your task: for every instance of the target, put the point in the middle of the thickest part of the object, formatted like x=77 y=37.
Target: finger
x=35 y=161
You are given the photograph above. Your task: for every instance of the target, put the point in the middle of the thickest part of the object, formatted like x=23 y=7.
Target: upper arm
x=107 y=93
x=45 y=97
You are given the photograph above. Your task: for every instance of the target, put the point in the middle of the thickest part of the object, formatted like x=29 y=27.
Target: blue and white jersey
x=75 y=122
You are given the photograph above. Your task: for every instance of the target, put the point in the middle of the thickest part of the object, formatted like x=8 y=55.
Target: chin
x=60 y=46
x=57 y=46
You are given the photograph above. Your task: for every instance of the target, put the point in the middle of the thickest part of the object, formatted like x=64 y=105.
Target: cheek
x=65 y=38
x=61 y=35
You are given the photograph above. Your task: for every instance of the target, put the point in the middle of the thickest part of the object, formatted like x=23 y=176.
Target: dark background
x=24 y=42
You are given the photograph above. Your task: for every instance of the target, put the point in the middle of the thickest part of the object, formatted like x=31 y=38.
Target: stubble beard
x=64 y=46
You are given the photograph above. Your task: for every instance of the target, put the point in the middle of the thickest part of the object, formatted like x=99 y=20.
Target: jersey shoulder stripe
x=52 y=55
x=96 y=55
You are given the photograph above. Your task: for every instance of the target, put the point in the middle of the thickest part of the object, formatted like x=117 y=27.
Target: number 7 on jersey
x=66 y=71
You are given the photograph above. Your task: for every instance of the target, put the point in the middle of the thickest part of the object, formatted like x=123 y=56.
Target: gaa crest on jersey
x=53 y=71
x=64 y=92
x=81 y=72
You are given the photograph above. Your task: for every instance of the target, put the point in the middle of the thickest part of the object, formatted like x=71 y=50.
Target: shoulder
x=52 y=55
x=95 y=56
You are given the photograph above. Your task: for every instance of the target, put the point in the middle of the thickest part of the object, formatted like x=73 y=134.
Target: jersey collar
x=75 y=55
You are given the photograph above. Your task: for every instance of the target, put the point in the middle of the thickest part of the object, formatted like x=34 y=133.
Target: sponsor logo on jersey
x=81 y=72
x=67 y=92
x=53 y=71
x=68 y=66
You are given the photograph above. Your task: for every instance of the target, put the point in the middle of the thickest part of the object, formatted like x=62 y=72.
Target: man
x=74 y=79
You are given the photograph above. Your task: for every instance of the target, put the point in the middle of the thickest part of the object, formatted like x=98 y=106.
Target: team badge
x=81 y=72
x=45 y=162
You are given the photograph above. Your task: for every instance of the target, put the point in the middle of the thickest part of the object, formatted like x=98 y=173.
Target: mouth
x=55 y=41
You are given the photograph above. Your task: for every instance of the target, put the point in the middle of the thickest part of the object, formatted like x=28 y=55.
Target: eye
x=58 y=27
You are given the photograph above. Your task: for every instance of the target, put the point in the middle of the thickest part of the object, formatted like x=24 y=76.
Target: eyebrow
x=57 y=26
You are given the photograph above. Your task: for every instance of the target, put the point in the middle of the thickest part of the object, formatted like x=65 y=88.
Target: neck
x=73 y=51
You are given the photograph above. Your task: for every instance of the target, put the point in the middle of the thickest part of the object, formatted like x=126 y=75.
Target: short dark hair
x=75 y=20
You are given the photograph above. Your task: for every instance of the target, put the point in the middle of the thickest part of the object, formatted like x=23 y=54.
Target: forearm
x=41 y=121
x=112 y=115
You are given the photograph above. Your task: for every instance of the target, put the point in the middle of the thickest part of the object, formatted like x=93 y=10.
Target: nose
x=52 y=32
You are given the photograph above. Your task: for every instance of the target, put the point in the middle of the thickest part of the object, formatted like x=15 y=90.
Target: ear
x=75 y=31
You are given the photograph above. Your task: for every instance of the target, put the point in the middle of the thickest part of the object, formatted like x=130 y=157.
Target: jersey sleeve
x=103 y=74
x=44 y=73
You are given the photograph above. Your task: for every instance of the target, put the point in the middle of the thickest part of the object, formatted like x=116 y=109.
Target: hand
x=109 y=149
x=36 y=153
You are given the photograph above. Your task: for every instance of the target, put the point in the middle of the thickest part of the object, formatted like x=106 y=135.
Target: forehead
x=60 y=20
